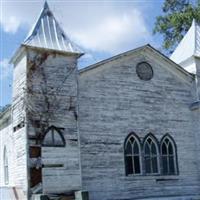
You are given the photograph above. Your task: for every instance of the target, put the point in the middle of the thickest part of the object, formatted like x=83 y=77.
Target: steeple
x=45 y=91
x=47 y=33
x=188 y=49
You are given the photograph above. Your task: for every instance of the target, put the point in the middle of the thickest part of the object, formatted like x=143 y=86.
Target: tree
x=175 y=21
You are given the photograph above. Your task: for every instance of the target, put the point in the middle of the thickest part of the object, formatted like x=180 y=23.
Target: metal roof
x=189 y=45
x=47 y=33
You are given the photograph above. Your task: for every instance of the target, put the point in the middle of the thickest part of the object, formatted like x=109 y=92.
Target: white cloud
x=5 y=69
x=97 y=26
x=114 y=33
x=16 y=14
x=11 y=24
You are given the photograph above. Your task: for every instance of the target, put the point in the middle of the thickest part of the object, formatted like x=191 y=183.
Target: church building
x=125 y=128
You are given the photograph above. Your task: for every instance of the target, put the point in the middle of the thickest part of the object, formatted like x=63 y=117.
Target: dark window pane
x=147 y=149
x=147 y=165
x=171 y=165
x=128 y=149
x=132 y=139
x=164 y=165
x=154 y=165
x=149 y=140
x=168 y=157
x=135 y=148
x=57 y=139
x=132 y=156
x=153 y=149
x=48 y=139
x=129 y=165
x=53 y=138
x=167 y=140
x=170 y=149
x=137 y=164
x=164 y=149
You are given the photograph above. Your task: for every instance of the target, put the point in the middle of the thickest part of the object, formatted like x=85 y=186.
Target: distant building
x=124 y=128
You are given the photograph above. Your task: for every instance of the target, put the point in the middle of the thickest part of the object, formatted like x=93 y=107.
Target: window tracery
x=132 y=155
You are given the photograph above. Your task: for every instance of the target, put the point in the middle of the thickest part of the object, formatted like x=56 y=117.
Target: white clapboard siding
x=113 y=103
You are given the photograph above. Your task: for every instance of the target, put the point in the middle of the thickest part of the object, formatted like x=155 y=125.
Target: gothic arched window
x=151 y=155
x=5 y=163
x=168 y=155
x=132 y=154
x=53 y=137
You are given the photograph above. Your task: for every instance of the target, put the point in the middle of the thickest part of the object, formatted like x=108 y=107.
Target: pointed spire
x=47 y=33
x=46 y=6
x=189 y=45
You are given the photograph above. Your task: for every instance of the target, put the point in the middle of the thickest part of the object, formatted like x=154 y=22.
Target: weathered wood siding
x=18 y=117
x=7 y=141
x=60 y=72
x=196 y=113
x=13 y=133
x=113 y=102
x=197 y=66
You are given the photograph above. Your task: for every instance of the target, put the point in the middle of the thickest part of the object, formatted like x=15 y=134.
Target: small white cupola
x=187 y=54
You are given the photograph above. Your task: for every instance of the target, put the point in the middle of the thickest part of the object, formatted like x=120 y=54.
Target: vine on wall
x=42 y=101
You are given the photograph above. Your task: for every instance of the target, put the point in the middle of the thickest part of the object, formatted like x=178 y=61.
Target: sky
x=101 y=28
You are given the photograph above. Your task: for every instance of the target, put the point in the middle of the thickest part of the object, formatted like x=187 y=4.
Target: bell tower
x=49 y=105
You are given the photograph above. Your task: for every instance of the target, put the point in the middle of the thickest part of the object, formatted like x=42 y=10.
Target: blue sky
x=101 y=28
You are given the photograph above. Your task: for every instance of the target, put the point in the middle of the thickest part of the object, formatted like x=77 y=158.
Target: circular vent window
x=144 y=71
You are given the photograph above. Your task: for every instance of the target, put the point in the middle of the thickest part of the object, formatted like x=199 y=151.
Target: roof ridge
x=35 y=24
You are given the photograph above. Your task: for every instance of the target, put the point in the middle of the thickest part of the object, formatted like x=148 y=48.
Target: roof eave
x=110 y=59
x=17 y=54
x=77 y=54
x=22 y=48
x=177 y=66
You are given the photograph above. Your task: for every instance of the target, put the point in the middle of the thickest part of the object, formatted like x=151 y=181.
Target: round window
x=144 y=71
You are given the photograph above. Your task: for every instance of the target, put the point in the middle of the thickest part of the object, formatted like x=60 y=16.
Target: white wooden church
x=125 y=128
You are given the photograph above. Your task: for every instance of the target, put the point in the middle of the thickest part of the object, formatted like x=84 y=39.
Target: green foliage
x=175 y=21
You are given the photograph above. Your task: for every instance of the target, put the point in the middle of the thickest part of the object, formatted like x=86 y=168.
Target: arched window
x=168 y=155
x=5 y=163
x=53 y=137
x=132 y=152
x=151 y=156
